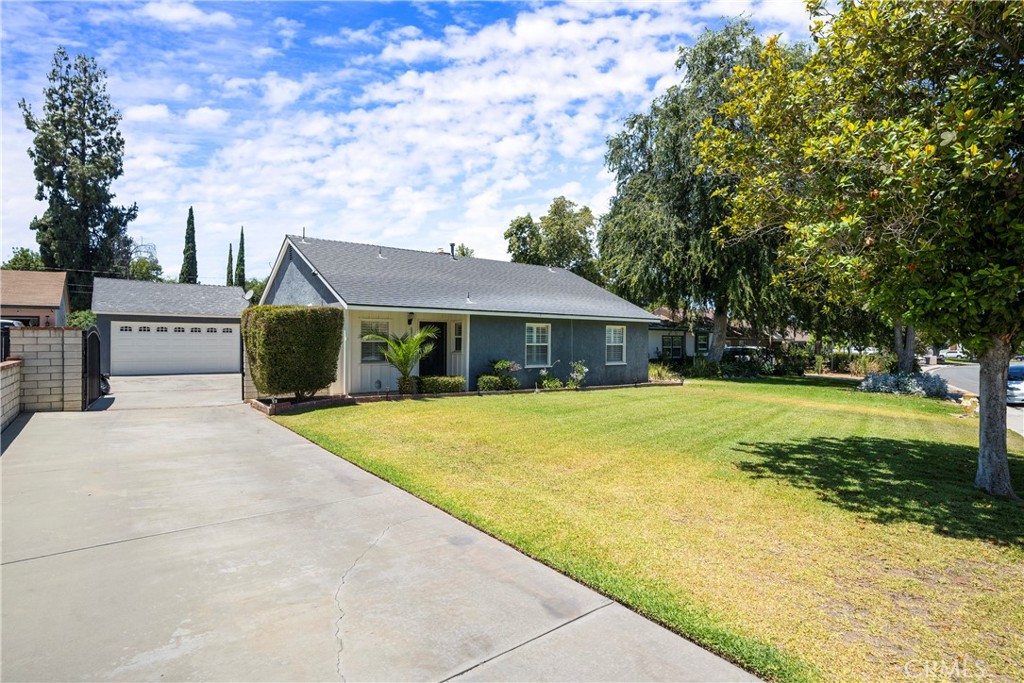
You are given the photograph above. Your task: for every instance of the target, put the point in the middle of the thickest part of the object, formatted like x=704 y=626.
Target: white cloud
x=348 y=36
x=287 y=29
x=205 y=117
x=147 y=112
x=183 y=16
x=279 y=92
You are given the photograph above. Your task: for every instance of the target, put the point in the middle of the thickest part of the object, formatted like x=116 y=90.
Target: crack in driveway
x=344 y=579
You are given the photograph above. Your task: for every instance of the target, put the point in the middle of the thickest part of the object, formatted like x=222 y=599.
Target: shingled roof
x=385 y=277
x=32 y=289
x=166 y=298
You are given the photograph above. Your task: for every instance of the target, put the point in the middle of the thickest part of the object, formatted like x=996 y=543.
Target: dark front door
x=433 y=364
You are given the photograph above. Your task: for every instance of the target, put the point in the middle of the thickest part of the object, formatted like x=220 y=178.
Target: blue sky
x=404 y=124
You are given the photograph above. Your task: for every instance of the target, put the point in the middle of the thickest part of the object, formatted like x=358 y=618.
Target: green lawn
x=799 y=527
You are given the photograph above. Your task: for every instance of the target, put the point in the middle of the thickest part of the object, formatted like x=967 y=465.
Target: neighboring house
x=160 y=328
x=34 y=298
x=677 y=334
x=542 y=318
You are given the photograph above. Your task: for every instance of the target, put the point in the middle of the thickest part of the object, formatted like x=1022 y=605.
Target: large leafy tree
x=77 y=154
x=658 y=243
x=891 y=163
x=240 y=259
x=562 y=238
x=23 y=258
x=146 y=268
x=189 y=269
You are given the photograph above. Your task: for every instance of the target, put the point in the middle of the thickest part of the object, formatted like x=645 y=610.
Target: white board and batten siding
x=163 y=348
x=372 y=377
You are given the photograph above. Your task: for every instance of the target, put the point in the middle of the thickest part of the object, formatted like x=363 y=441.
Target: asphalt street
x=965 y=377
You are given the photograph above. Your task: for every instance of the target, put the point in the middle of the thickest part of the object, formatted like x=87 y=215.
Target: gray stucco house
x=161 y=328
x=542 y=318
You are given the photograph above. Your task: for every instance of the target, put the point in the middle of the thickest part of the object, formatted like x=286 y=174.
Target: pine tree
x=76 y=154
x=240 y=260
x=189 y=268
x=230 y=277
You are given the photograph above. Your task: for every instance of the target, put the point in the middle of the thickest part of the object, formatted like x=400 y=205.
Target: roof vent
x=304 y=234
x=452 y=246
x=468 y=300
x=380 y=252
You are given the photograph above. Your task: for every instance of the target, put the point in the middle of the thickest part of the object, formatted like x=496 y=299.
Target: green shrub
x=292 y=349
x=488 y=383
x=819 y=364
x=503 y=370
x=549 y=382
x=441 y=385
x=660 y=372
x=84 y=319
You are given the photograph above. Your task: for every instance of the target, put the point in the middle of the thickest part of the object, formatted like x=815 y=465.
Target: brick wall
x=51 y=371
x=10 y=390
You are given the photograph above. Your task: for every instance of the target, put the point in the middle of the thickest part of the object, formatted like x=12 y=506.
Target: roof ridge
x=299 y=240
x=160 y=282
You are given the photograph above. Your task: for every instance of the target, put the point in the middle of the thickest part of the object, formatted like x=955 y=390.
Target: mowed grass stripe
x=796 y=537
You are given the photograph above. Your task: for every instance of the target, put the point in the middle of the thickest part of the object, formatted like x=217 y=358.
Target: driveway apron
x=187 y=537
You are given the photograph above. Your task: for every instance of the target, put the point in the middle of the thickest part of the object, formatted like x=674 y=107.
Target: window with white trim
x=702 y=343
x=372 y=350
x=126 y=328
x=458 y=337
x=615 y=345
x=672 y=346
x=538 y=345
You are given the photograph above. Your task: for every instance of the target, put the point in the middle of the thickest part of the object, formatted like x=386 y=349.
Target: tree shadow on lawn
x=895 y=480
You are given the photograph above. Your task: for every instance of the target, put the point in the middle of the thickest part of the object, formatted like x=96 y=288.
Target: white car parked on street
x=1015 y=384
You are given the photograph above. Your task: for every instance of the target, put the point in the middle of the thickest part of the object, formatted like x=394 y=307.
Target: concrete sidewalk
x=211 y=544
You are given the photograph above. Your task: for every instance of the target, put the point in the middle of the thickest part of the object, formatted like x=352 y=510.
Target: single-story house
x=34 y=298
x=678 y=334
x=161 y=328
x=541 y=318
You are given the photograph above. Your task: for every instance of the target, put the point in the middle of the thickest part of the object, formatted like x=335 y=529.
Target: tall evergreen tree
x=240 y=260
x=189 y=270
x=77 y=153
x=229 y=282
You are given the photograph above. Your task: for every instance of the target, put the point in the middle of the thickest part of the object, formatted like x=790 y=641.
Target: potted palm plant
x=403 y=352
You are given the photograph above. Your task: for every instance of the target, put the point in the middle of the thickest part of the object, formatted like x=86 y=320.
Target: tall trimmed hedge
x=292 y=349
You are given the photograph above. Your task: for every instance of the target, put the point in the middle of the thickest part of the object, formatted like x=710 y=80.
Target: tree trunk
x=904 y=346
x=936 y=349
x=720 y=329
x=993 y=466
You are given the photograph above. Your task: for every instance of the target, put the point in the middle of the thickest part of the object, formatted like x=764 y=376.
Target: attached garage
x=154 y=328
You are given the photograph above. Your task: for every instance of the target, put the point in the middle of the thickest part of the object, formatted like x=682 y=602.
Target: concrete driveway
x=155 y=541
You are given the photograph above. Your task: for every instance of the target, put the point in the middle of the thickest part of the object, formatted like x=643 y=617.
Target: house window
x=211 y=330
x=702 y=343
x=126 y=328
x=458 y=337
x=672 y=347
x=615 y=344
x=197 y=329
x=227 y=330
x=161 y=329
x=179 y=329
x=538 y=345
x=372 y=350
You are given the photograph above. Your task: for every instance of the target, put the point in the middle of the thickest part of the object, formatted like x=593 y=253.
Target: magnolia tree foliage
x=658 y=243
x=76 y=154
x=890 y=166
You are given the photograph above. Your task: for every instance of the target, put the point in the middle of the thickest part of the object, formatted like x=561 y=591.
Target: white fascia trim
x=506 y=314
x=316 y=272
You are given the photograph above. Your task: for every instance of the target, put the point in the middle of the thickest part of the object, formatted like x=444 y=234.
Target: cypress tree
x=230 y=275
x=240 y=260
x=189 y=268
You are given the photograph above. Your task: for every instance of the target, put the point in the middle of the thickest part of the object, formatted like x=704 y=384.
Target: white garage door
x=147 y=348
